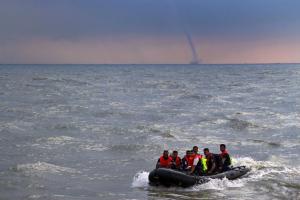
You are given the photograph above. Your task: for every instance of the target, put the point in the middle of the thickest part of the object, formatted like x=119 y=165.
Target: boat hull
x=170 y=177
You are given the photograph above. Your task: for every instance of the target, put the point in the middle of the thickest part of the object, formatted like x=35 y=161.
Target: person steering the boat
x=225 y=158
x=176 y=161
x=165 y=161
x=212 y=162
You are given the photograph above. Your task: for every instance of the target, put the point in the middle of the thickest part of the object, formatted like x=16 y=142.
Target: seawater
x=96 y=131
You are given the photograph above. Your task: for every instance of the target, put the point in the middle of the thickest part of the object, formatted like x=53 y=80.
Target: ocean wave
x=159 y=131
x=62 y=126
x=267 y=169
x=219 y=184
x=195 y=96
x=39 y=78
x=238 y=124
x=93 y=147
x=234 y=123
x=259 y=170
x=43 y=167
x=288 y=120
x=69 y=81
x=132 y=147
x=82 y=144
x=111 y=112
x=140 y=179
x=263 y=142
x=163 y=85
x=58 y=140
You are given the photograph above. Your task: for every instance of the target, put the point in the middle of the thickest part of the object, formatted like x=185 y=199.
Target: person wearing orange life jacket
x=164 y=161
x=176 y=161
x=225 y=157
x=187 y=161
x=196 y=158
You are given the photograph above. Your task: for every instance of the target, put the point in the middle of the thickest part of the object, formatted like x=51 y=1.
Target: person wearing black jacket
x=213 y=162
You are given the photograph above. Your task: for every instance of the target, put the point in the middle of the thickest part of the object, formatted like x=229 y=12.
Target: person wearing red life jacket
x=176 y=161
x=195 y=159
x=165 y=161
x=187 y=161
x=225 y=157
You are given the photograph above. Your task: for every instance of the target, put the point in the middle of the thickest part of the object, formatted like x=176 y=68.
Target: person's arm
x=229 y=159
x=196 y=160
x=173 y=163
x=223 y=158
x=212 y=168
x=179 y=166
x=157 y=164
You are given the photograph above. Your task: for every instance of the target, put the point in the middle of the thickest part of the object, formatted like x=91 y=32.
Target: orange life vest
x=190 y=160
x=199 y=156
x=166 y=163
x=177 y=161
x=193 y=157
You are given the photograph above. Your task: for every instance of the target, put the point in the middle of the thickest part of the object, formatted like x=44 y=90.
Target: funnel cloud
x=178 y=17
x=195 y=59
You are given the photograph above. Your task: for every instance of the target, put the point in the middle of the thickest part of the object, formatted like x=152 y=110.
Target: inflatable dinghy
x=170 y=177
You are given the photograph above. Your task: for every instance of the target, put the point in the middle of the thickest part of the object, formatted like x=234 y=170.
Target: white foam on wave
x=140 y=180
x=266 y=169
x=60 y=140
x=43 y=167
x=93 y=147
x=16 y=126
x=53 y=142
x=219 y=184
x=259 y=170
x=289 y=120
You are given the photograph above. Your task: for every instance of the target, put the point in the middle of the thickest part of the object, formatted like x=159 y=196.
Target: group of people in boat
x=196 y=164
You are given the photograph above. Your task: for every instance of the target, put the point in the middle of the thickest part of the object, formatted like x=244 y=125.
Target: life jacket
x=177 y=161
x=190 y=160
x=201 y=166
x=223 y=154
x=204 y=164
x=199 y=156
x=193 y=157
x=165 y=163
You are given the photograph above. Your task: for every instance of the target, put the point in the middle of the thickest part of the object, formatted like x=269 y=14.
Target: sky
x=149 y=31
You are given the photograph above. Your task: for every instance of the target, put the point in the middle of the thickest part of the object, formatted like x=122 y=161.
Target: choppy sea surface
x=96 y=131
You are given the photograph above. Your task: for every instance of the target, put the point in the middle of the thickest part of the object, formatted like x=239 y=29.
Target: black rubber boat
x=170 y=177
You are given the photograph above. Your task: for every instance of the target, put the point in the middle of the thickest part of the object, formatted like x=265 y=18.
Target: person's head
x=222 y=147
x=175 y=154
x=195 y=149
x=206 y=151
x=166 y=154
x=188 y=153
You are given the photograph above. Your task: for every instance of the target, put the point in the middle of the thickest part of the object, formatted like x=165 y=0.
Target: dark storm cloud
x=72 y=19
